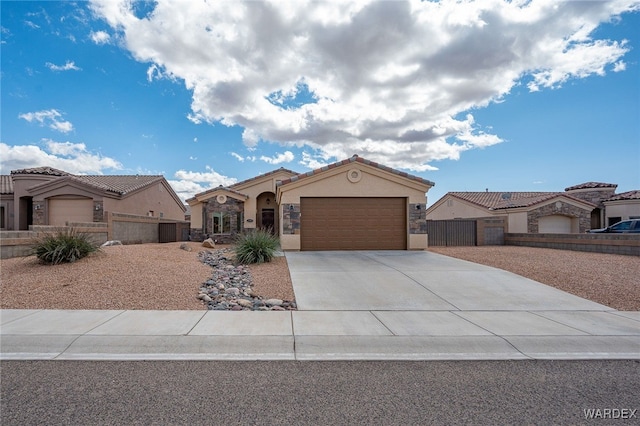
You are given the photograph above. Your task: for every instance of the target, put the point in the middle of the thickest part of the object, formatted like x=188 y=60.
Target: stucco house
x=623 y=206
x=47 y=196
x=579 y=208
x=354 y=204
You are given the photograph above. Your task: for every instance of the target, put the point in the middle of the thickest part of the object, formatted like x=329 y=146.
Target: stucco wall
x=338 y=185
x=626 y=209
x=517 y=222
x=451 y=208
x=155 y=198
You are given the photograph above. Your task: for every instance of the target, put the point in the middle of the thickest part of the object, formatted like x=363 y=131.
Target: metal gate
x=167 y=233
x=452 y=232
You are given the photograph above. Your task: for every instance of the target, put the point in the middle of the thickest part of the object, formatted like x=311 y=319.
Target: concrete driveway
x=417 y=281
x=422 y=305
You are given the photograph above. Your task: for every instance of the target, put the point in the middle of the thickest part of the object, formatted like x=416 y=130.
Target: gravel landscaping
x=141 y=276
x=166 y=277
x=608 y=279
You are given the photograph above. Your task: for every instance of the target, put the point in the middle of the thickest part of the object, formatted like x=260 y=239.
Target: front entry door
x=268 y=219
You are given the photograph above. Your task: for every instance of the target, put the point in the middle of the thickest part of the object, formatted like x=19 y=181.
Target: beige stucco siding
x=518 y=222
x=196 y=216
x=452 y=208
x=253 y=189
x=154 y=199
x=338 y=185
x=625 y=209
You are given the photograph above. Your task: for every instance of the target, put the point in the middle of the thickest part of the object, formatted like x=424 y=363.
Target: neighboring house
x=622 y=207
x=355 y=204
x=47 y=196
x=579 y=208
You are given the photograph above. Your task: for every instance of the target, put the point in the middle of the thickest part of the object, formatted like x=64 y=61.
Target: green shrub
x=257 y=246
x=63 y=246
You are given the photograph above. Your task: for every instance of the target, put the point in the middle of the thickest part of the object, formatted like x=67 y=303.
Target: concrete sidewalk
x=352 y=306
x=319 y=335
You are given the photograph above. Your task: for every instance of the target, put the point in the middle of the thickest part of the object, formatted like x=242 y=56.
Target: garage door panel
x=63 y=210
x=353 y=224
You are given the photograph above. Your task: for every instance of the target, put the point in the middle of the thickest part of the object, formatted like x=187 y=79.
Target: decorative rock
x=234 y=291
x=209 y=243
x=185 y=247
x=204 y=297
x=245 y=303
x=112 y=243
x=229 y=287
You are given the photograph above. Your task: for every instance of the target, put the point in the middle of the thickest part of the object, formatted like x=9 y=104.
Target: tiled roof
x=355 y=159
x=273 y=172
x=629 y=195
x=6 y=184
x=41 y=171
x=588 y=185
x=509 y=200
x=493 y=200
x=117 y=184
x=212 y=190
x=120 y=184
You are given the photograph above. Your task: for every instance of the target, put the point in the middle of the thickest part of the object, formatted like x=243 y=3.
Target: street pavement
x=374 y=305
x=530 y=392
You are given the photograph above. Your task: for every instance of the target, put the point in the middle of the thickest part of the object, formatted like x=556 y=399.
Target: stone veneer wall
x=98 y=212
x=417 y=218
x=584 y=216
x=213 y=206
x=39 y=212
x=290 y=219
x=595 y=196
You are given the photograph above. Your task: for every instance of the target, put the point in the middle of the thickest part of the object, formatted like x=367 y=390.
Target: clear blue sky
x=497 y=95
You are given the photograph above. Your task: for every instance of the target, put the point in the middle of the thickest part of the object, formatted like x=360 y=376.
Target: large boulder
x=209 y=243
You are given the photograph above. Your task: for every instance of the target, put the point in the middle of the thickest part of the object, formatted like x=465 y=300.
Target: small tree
x=257 y=246
x=63 y=246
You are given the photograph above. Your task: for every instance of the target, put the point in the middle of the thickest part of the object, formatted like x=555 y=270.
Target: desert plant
x=257 y=246
x=64 y=245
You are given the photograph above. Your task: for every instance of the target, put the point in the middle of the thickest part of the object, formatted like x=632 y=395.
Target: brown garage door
x=353 y=224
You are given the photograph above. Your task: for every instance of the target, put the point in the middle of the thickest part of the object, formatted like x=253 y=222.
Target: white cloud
x=311 y=161
x=285 y=157
x=68 y=66
x=100 y=37
x=384 y=80
x=50 y=117
x=242 y=159
x=67 y=156
x=189 y=183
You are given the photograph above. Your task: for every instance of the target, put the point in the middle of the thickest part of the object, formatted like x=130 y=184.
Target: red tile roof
x=6 y=184
x=212 y=190
x=40 y=171
x=588 y=185
x=273 y=172
x=509 y=200
x=629 y=195
x=120 y=184
x=355 y=159
x=117 y=184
